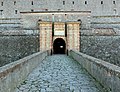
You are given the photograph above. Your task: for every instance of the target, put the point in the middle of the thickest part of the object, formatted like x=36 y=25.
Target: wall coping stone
x=99 y=62
x=107 y=74
x=11 y=75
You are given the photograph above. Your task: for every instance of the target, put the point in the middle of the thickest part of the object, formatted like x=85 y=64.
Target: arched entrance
x=59 y=46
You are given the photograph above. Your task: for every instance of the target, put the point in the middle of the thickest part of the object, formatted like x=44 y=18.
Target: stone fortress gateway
x=59 y=36
x=59 y=23
x=55 y=27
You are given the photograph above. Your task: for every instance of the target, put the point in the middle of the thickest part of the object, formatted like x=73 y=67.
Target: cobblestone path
x=59 y=73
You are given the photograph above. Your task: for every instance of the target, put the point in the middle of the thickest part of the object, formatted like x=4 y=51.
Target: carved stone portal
x=59 y=36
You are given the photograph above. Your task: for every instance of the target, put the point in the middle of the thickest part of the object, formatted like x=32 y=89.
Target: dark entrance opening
x=59 y=46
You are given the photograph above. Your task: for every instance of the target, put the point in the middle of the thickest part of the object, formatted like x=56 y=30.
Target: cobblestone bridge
x=59 y=73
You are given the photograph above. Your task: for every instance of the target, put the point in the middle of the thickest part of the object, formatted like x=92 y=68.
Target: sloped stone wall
x=103 y=47
x=16 y=47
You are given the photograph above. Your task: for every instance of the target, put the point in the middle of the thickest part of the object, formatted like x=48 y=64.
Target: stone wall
x=29 y=20
x=15 y=73
x=105 y=21
x=105 y=73
x=14 y=47
x=101 y=43
x=103 y=47
x=10 y=22
x=15 y=7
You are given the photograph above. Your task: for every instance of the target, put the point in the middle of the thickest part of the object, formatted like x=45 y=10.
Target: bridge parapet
x=105 y=73
x=15 y=73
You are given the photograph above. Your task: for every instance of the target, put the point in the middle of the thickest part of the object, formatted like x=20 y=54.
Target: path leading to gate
x=59 y=73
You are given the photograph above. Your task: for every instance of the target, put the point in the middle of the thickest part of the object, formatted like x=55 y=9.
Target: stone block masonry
x=101 y=43
x=102 y=47
x=13 y=74
x=16 y=44
x=105 y=73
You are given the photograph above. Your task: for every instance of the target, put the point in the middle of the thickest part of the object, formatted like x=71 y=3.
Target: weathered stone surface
x=59 y=73
x=13 y=48
x=14 y=73
x=103 y=47
x=105 y=73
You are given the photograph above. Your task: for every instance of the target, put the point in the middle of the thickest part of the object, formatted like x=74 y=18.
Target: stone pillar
x=45 y=35
x=73 y=35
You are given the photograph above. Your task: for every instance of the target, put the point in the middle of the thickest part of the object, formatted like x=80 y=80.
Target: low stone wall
x=14 y=73
x=105 y=73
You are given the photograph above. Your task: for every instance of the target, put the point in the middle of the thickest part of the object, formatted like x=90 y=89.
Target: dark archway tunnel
x=59 y=46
